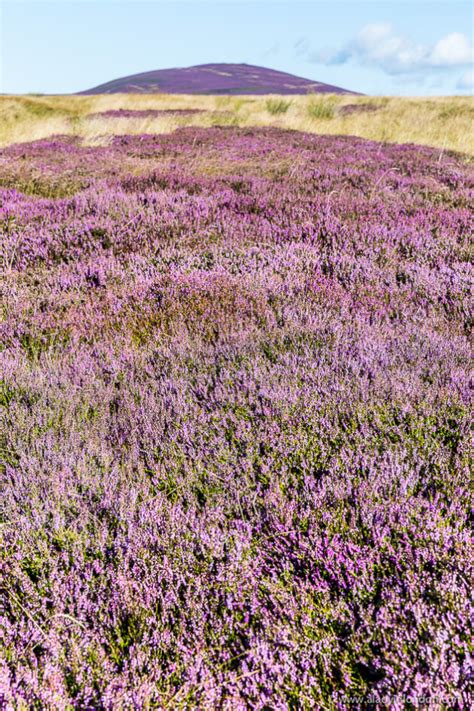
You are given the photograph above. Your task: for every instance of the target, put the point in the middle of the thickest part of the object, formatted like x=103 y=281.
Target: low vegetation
x=321 y=108
x=235 y=397
x=277 y=106
x=443 y=122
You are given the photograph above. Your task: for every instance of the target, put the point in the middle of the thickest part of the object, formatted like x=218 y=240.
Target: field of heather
x=234 y=418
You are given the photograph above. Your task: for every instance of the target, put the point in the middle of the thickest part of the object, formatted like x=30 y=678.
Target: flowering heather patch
x=224 y=79
x=234 y=412
x=145 y=113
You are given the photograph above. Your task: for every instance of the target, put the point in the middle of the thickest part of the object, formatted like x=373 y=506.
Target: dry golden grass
x=443 y=122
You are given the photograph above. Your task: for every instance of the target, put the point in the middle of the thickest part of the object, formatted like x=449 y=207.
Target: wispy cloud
x=271 y=51
x=466 y=81
x=302 y=47
x=379 y=45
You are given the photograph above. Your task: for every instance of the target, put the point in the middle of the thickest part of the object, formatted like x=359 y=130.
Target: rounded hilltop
x=215 y=79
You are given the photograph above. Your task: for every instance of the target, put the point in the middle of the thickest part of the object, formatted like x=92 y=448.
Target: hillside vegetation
x=443 y=122
x=235 y=408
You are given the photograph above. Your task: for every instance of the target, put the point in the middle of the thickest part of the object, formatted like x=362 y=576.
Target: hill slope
x=215 y=79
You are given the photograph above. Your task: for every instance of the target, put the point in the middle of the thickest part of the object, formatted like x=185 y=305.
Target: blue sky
x=407 y=47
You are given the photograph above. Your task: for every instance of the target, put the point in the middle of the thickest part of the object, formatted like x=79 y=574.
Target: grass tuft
x=321 y=109
x=277 y=106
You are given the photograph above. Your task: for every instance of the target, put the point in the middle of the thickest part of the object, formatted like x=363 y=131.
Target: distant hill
x=216 y=79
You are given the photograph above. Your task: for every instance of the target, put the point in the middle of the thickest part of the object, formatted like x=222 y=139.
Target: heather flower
x=235 y=394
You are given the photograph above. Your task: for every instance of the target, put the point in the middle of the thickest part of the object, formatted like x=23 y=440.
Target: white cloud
x=467 y=80
x=379 y=45
x=454 y=50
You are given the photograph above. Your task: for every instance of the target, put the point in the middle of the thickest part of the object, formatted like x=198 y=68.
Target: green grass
x=277 y=106
x=321 y=109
